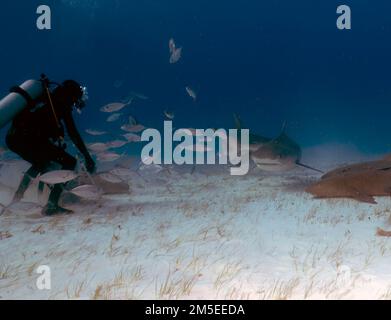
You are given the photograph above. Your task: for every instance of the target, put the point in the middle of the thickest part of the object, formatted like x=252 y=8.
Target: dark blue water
x=269 y=61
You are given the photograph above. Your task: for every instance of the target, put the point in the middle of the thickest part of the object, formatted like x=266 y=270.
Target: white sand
x=201 y=236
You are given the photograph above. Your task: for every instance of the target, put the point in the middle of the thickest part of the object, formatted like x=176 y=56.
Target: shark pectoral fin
x=363 y=197
x=366 y=198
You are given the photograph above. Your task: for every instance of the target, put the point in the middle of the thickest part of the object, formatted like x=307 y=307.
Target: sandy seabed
x=206 y=235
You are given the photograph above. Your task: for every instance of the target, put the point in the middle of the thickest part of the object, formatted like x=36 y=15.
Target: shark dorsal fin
x=283 y=129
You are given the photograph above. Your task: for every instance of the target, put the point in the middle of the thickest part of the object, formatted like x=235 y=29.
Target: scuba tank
x=18 y=99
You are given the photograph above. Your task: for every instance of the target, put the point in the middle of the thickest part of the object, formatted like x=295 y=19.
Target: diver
x=37 y=135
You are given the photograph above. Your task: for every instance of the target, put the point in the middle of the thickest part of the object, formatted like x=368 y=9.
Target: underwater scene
x=205 y=150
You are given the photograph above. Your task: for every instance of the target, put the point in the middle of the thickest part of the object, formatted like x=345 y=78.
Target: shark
x=361 y=182
x=383 y=164
x=274 y=154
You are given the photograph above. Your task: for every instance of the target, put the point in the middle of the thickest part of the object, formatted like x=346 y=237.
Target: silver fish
x=114 y=117
x=151 y=168
x=191 y=93
x=97 y=147
x=109 y=177
x=108 y=156
x=132 y=137
x=116 y=144
x=86 y=191
x=176 y=55
x=122 y=172
x=95 y=132
x=133 y=128
x=171 y=45
x=114 y=107
x=58 y=176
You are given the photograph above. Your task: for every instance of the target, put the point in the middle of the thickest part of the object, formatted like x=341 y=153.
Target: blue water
x=269 y=61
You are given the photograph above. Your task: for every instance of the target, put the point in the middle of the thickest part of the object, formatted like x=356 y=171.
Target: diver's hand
x=90 y=165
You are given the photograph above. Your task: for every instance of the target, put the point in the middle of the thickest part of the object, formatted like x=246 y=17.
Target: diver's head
x=73 y=94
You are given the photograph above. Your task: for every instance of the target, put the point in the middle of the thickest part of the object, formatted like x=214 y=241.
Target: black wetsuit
x=36 y=136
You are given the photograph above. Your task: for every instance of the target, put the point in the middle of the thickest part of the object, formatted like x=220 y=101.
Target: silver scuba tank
x=19 y=98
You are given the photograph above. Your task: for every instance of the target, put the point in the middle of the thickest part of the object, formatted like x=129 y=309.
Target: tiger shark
x=274 y=155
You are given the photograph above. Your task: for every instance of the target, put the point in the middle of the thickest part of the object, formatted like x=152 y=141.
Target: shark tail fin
x=308 y=167
x=238 y=122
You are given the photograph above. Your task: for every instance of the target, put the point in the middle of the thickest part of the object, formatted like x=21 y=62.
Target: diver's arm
x=76 y=138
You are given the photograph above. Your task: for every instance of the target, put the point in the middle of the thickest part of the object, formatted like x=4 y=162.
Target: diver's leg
x=18 y=145
x=52 y=207
x=68 y=163
x=31 y=150
x=30 y=174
